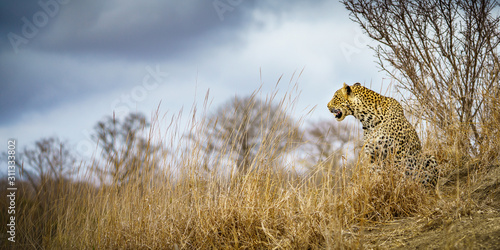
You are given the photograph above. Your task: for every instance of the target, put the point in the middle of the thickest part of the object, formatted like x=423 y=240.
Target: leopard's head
x=340 y=105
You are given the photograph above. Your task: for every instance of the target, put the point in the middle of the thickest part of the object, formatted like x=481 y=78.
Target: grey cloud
x=137 y=30
x=36 y=84
x=131 y=29
x=99 y=31
x=105 y=32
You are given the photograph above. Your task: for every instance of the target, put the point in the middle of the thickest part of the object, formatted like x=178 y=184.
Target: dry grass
x=187 y=206
x=262 y=209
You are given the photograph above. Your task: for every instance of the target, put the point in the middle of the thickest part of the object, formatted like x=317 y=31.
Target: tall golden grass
x=185 y=205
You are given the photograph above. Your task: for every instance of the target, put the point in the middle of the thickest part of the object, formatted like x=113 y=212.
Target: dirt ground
x=475 y=225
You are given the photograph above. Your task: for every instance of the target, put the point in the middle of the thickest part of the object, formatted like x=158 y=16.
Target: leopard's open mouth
x=337 y=113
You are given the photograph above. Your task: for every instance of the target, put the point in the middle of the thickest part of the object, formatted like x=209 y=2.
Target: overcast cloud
x=67 y=64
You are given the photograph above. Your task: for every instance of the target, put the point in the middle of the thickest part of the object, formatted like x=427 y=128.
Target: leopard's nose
x=330 y=107
x=333 y=110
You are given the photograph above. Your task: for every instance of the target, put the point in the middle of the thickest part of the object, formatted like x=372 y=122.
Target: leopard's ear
x=357 y=84
x=346 y=90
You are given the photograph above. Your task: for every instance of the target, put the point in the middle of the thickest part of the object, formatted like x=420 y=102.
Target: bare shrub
x=126 y=149
x=49 y=160
x=245 y=127
x=328 y=146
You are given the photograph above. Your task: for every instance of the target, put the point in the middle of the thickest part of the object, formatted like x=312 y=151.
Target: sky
x=66 y=64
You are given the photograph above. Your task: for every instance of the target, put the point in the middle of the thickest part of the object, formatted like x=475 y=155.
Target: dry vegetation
x=220 y=183
x=179 y=203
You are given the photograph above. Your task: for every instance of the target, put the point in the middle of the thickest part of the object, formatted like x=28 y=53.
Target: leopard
x=387 y=134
